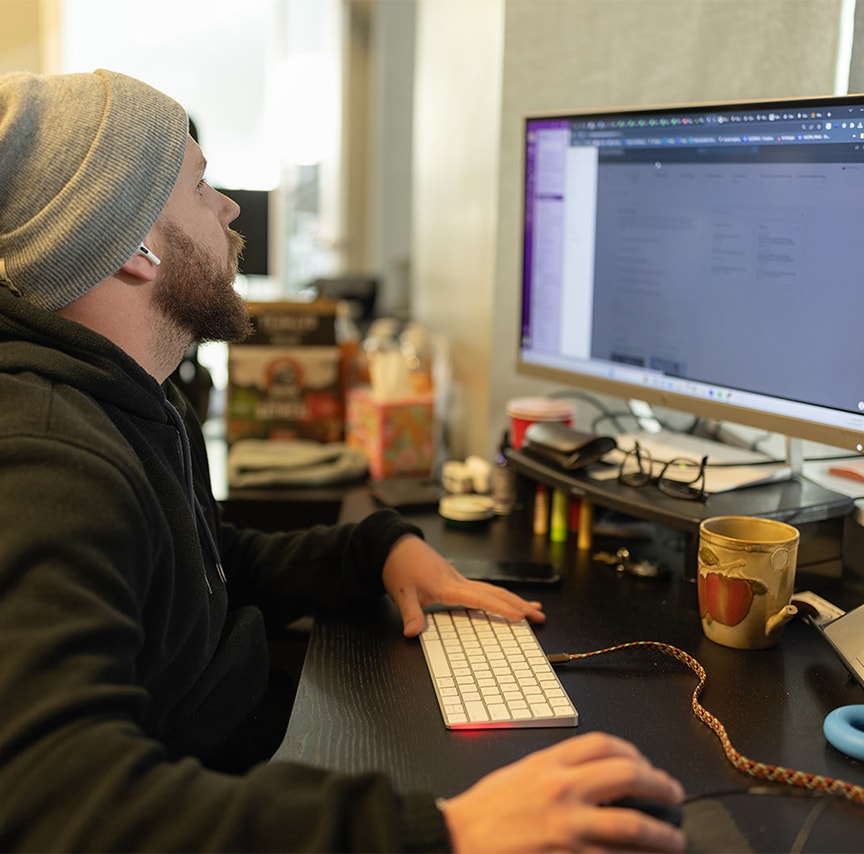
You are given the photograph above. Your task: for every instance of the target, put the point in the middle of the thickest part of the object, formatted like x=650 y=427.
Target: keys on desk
x=623 y=562
x=489 y=672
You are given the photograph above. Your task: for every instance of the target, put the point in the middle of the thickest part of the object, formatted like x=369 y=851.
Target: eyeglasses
x=678 y=478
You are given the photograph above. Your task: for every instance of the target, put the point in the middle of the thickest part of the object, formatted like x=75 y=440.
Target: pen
x=574 y=511
x=541 y=510
x=558 y=523
x=586 y=523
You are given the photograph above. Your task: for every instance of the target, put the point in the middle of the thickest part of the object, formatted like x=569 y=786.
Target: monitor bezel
x=832 y=435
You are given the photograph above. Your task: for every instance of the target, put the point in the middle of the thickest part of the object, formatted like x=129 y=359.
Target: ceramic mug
x=746 y=578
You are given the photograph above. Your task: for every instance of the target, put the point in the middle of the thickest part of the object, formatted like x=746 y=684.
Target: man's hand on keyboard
x=551 y=801
x=415 y=575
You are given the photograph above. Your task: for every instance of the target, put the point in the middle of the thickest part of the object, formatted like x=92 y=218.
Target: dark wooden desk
x=283 y=509
x=365 y=701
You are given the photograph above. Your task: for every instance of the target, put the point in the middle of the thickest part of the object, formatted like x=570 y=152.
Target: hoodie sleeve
x=83 y=547
x=324 y=568
x=291 y=574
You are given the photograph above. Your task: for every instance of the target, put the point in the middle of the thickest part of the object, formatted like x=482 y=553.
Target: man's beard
x=195 y=294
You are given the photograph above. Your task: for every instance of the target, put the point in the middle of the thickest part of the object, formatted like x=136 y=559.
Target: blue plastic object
x=844 y=728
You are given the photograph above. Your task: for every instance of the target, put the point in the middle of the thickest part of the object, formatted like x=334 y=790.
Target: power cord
x=760 y=770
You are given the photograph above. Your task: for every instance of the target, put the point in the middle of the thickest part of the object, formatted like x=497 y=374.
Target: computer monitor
x=708 y=259
x=254 y=224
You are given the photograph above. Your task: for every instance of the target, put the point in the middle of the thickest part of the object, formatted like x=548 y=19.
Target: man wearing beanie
x=134 y=673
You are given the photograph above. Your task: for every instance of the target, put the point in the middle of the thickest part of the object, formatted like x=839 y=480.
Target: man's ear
x=140 y=267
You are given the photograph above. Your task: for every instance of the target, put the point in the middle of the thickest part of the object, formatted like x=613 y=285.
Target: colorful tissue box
x=397 y=436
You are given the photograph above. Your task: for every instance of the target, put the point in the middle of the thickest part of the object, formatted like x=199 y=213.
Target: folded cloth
x=293 y=462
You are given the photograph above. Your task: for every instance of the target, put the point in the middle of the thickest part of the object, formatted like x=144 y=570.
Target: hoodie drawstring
x=194 y=503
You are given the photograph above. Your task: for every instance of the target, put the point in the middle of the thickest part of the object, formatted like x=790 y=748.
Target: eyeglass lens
x=683 y=478
x=679 y=478
x=636 y=467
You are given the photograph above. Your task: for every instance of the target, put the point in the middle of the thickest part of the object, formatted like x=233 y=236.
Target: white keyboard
x=489 y=672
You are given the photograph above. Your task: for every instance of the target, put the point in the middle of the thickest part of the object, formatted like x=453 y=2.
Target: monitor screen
x=709 y=259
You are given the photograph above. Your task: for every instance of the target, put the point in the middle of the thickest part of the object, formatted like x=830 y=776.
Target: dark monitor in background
x=253 y=223
x=707 y=258
x=360 y=291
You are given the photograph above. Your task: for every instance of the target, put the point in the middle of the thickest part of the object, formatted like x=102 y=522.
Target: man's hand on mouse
x=415 y=575
x=551 y=801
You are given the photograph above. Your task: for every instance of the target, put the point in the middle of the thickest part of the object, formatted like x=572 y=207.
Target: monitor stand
x=795 y=456
x=799 y=501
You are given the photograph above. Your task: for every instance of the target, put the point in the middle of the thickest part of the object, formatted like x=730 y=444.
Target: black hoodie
x=133 y=623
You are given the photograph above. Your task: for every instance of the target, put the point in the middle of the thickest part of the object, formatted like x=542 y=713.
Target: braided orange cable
x=760 y=770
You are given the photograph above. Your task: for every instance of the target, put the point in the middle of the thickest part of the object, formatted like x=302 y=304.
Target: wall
x=29 y=35
x=389 y=202
x=561 y=54
x=457 y=101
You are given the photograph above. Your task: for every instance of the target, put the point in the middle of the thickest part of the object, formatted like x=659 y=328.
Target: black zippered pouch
x=565 y=447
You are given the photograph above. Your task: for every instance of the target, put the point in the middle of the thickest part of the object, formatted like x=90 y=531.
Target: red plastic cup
x=525 y=411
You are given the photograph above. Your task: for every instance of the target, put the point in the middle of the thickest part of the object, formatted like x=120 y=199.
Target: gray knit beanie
x=87 y=162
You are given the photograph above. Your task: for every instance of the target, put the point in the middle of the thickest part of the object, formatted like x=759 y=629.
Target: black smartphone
x=507 y=571
x=407 y=493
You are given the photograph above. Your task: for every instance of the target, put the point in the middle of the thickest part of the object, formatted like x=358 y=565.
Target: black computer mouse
x=670 y=813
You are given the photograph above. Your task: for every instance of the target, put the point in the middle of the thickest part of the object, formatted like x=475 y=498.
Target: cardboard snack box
x=285 y=380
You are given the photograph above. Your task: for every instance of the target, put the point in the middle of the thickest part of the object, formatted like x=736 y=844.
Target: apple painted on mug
x=724 y=595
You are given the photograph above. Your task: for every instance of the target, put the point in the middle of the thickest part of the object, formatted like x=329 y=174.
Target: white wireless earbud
x=149 y=255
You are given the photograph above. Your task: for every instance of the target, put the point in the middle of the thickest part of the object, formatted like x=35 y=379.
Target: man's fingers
x=591 y=746
x=626 y=829
x=619 y=766
x=495 y=599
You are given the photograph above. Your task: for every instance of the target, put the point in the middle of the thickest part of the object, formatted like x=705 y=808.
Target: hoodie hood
x=64 y=352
